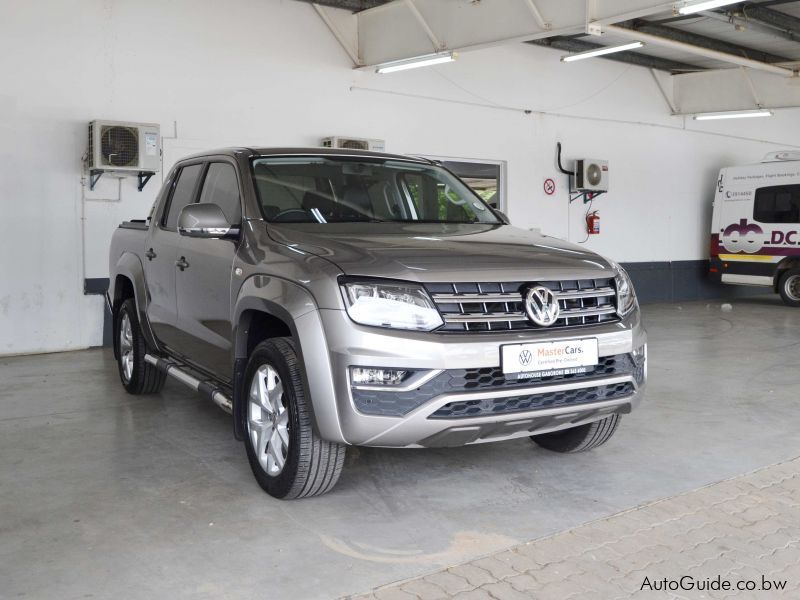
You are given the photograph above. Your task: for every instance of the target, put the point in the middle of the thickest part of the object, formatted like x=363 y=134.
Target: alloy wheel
x=268 y=420
x=126 y=346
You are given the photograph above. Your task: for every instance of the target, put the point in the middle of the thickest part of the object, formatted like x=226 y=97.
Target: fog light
x=365 y=376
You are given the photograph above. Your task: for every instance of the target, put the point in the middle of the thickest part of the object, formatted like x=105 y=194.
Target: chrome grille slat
x=513 y=297
x=493 y=307
x=588 y=311
x=484 y=318
x=599 y=292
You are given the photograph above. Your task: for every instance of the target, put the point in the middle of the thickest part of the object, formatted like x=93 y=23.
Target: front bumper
x=453 y=416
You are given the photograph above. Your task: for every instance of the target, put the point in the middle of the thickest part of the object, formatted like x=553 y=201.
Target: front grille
x=394 y=404
x=471 y=307
x=501 y=406
x=493 y=377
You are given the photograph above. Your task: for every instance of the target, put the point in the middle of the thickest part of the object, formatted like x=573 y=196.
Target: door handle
x=181 y=263
x=150 y=254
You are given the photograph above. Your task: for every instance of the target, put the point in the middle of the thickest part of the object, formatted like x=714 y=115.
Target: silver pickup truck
x=328 y=298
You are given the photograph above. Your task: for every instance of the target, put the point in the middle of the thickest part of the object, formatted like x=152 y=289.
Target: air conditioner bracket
x=94 y=175
x=144 y=177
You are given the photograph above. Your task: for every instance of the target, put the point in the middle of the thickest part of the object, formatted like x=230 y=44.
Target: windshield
x=342 y=190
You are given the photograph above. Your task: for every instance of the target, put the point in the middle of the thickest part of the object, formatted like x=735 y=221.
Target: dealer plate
x=547 y=359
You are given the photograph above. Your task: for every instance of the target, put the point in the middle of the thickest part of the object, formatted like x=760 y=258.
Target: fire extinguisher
x=593 y=223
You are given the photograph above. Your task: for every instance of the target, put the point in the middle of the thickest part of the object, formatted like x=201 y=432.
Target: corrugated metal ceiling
x=737 y=25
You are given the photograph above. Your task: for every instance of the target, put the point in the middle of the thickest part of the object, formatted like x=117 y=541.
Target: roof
x=302 y=151
x=766 y=31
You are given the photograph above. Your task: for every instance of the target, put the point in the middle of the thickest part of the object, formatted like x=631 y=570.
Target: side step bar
x=197 y=385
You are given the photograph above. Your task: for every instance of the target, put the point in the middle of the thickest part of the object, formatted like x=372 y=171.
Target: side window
x=435 y=200
x=222 y=189
x=777 y=204
x=390 y=201
x=182 y=195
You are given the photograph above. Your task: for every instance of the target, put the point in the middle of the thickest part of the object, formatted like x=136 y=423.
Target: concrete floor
x=103 y=493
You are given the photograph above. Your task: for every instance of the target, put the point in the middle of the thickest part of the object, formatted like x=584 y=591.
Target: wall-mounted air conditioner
x=352 y=143
x=122 y=147
x=591 y=175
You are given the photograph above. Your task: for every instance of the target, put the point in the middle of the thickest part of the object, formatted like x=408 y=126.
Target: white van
x=755 y=229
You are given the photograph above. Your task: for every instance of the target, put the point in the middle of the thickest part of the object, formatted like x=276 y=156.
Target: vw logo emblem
x=525 y=358
x=541 y=305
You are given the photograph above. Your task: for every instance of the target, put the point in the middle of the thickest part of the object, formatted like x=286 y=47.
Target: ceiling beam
x=761 y=13
x=631 y=58
x=401 y=30
x=739 y=22
x=702 y=41
x=734 y=59
x=354 y=5
x=771 y=17
x=729 y=90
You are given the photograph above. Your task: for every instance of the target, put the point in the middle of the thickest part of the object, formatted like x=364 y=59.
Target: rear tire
x=137 y=375
x=288 y=459
x=581 y=438
x=789 y=287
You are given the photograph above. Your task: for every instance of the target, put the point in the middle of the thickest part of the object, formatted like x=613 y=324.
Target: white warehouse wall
x=268 y=72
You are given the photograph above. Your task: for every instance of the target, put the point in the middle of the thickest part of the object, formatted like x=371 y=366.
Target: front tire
x=581 y=438
x=789 y=287
x=288 y=459
x=137 y=375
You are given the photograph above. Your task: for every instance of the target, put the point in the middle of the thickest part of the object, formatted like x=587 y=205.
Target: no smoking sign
x=549 y=186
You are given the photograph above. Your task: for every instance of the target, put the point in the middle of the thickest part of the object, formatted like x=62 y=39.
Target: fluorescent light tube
x=735 y=114
x=414 y=63
x=601 y=51
x=689 y=9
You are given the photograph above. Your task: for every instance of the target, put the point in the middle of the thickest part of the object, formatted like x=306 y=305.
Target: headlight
x=626 y=297
x=393 y=305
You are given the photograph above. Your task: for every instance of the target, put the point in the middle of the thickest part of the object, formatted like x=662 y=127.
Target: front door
x=204 y=286
x=160 y=254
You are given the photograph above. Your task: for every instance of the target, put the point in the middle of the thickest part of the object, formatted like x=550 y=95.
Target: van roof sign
x=782 y=155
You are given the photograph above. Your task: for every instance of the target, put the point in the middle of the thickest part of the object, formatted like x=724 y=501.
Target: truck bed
x=134 y=224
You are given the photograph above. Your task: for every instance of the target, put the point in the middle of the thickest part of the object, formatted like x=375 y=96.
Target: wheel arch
x=268 y=307
x=128 y=281
x=790 y=262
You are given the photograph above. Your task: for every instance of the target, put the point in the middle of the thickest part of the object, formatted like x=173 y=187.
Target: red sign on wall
x=549 y=187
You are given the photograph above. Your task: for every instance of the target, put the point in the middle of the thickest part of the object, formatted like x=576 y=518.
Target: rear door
x=733 y=208
x=161 y=250
x=204 y=287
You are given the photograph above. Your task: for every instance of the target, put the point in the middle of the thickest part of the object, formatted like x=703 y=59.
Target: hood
x=431 y=252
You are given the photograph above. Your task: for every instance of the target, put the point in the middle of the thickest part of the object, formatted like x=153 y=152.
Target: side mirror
x=502 y=216
x=205 y=221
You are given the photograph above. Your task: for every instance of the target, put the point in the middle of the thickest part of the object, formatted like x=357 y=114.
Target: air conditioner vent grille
x=119 y=146
x=354 y=144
